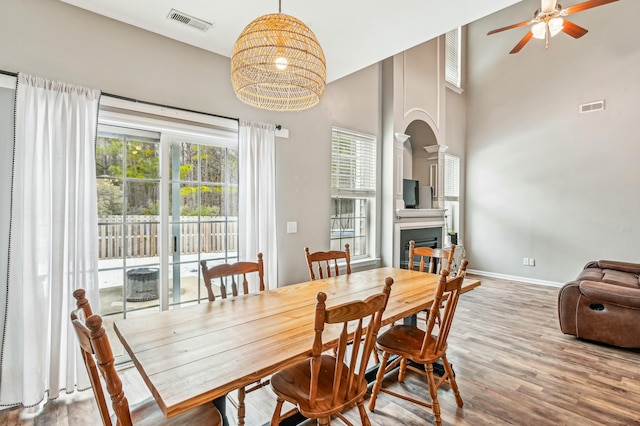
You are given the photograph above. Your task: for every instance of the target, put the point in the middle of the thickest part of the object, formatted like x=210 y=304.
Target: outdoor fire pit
x=142 y=284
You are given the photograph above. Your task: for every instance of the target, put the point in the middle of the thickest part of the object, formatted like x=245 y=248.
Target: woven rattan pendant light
x=277 y=64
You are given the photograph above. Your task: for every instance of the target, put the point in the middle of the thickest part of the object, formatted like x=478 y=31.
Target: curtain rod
x=126 y=98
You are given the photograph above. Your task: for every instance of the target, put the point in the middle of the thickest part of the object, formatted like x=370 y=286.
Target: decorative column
x=436 y=172
x=399 y=141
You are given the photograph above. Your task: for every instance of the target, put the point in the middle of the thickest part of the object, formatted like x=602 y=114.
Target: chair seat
x=406 y=341
x=293 y=384
x=147 y=413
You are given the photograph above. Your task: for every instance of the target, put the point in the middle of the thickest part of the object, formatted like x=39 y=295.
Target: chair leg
x=452 y=380
x=241 y=406
x=403 y=370
x=433 y=390
x=376 y=357
x=275 y=420
x=364 y=419
x=324 y=421
x=378 y=383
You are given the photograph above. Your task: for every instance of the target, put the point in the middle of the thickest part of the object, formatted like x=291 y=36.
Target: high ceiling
x=353 y=34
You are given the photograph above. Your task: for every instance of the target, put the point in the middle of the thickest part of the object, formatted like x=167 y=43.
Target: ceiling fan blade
x=520 y=24
x=522 y=42
x=573 y=30
x=584 y=6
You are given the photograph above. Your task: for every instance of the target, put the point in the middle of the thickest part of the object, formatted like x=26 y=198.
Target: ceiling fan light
x=538 y=30
x=555 y=25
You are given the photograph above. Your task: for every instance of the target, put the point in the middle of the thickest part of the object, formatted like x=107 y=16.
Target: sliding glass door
x=167 y=199
x=203 y=218
x=128 y=182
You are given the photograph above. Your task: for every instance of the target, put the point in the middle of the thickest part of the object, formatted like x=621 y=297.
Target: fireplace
x=424 y=226
x=423 y=237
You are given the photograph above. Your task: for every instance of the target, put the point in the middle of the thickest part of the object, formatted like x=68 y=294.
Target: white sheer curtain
x=53 y=235
x=257 y=203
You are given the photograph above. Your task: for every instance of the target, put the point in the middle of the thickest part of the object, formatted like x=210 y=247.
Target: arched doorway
x=419 y=164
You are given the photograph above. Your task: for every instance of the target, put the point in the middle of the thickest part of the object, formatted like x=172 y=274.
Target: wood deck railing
x=139 y=236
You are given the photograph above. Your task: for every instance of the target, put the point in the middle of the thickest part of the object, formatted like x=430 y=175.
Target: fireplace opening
x=423 y=237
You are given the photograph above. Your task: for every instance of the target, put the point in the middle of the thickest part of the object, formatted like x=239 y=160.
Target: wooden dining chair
x=97 y=354
x=235 y=272
x=232 y=271
x=324 y=385
x=436 y=259
x=410 y=343
x=326 y=261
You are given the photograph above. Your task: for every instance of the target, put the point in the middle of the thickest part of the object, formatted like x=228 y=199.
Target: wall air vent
x=199 y=24
x=591 y=107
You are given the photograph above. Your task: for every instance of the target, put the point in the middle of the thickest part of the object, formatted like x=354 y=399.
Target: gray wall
x=58 y=41
x=542 y=180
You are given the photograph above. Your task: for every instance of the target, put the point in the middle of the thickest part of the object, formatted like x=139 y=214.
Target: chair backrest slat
x=228 y=271
x=353 y=362
x=106 y=363
x=342 y=349
x=326 y=261
x=350 y=315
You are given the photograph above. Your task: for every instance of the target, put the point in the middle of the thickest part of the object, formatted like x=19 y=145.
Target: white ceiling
x=353 y=33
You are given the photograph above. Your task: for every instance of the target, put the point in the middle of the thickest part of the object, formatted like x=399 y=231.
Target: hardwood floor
x=512 y=364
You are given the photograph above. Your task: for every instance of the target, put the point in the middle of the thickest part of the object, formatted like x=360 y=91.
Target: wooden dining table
x=191 y=355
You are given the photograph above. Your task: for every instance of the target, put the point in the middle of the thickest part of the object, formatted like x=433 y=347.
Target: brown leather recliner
x=603 y=304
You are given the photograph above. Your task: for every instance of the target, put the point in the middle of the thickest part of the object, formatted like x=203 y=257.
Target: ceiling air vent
x=591 y=107
x=203 y=26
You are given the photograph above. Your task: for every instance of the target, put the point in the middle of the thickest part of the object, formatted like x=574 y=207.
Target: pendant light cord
x=279 y=6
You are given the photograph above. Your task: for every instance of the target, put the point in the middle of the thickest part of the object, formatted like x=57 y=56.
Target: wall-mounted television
x=411 y=193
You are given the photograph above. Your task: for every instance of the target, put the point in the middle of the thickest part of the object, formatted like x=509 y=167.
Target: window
x=452 y=192
x=453 y=45
x=167 y=185
x=353 y=191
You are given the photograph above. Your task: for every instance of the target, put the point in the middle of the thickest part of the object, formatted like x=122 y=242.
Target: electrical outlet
x=525 y=261
x=532 y=261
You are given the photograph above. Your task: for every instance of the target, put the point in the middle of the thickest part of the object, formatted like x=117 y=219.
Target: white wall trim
x=515 y=278
x=363 y=264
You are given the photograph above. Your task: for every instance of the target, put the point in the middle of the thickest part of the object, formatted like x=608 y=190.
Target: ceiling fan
x=549 y=20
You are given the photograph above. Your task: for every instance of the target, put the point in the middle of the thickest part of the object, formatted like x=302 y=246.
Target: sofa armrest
x=632 y=268
x=592 y=264
x=603 y=292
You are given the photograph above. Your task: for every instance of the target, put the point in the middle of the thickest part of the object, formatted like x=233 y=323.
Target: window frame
x=452 y=219
x=364 y=188
x=453 y=59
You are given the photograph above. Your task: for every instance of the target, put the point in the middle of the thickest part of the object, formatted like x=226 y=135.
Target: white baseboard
x=515 y=278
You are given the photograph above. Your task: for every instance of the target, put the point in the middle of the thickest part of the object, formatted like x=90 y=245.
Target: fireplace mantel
x=401 y=213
